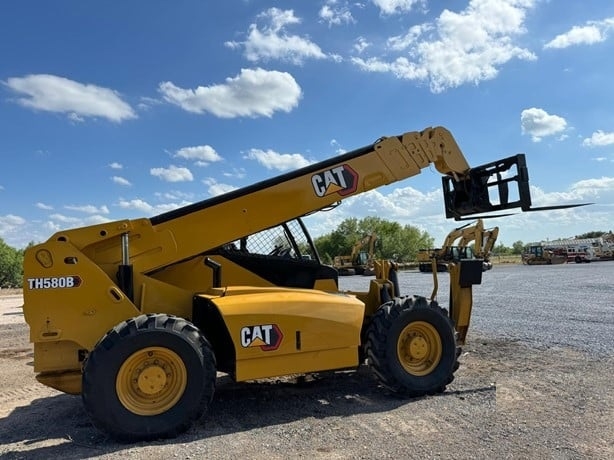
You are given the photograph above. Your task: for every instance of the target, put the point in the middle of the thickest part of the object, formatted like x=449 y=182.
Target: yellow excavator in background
x=139 y=315
x=484 y=240
x=457 y=245
x=359 y=262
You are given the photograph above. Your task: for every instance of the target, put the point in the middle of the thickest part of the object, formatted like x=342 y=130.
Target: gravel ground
x=535 y=382
x=569 y=305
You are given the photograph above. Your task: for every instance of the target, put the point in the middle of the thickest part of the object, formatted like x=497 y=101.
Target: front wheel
x=411 y=347
x=149 y=377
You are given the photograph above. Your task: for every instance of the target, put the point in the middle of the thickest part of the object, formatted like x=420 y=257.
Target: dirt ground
x=509 y=400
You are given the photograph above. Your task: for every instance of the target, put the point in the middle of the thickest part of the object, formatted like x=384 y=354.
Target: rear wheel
x=149 y=377
x=411 y=347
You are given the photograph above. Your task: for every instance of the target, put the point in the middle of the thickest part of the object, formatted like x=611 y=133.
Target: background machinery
x=465 y=242
x=537 y=254
x=360 y=261
x=138 y=316
x=578 y=250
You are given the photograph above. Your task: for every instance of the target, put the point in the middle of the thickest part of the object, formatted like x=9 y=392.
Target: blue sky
x=113 y=110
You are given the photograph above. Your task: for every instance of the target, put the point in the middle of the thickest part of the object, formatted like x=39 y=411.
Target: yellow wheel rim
x=419 y=348
x=151 y=381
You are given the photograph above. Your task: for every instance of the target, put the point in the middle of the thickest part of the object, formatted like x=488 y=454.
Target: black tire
x=181 y=369
x=432 y=340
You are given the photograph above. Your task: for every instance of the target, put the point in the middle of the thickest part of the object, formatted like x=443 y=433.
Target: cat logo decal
x=266 y=336
x=340 y=179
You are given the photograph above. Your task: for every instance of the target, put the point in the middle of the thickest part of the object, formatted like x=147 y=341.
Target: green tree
x=340 y=241
x=593 y=234
x=11 y=266
x=501 y=249
x=518 y=247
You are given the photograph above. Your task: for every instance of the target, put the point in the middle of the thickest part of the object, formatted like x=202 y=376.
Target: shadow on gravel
x=64 y=430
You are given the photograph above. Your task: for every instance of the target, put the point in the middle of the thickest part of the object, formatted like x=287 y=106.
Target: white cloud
x=280 y=161
x=538 y=123
x=172 y=174
x=10 y=221
x=17 y=232
x=411 y=38
x=396 y=6
x=599 y=139
x=59 y=222
x=252 y=93
x=588 y=34
x=215 y=188
x=589 y=187
x=338 y=149
x=96 y=219
x=238 y=173
x=175 y=195
x=57 y=94
x=401 y=67
x=459 y=48
x=51 y=226
x=203 y=154
x=88 y=209
x=335 y=14
x=142 y=207
x=393 y=204
x=578 y=192
x=137 y=204
x=272 y=42
x=121 y=181
x=116 y=165
x=146 y=103
x=44 y=207
x=72 y=221
x=361 y=44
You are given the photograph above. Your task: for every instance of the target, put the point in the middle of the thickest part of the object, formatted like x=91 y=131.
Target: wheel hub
x=151 y=381
x=419 y=348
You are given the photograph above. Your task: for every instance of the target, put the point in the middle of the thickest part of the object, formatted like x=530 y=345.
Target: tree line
x=11 y=266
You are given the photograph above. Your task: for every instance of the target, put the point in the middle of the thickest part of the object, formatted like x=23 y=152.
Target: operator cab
x=283 y=255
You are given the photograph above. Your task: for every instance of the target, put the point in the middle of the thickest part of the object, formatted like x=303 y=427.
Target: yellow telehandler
x=139 y=315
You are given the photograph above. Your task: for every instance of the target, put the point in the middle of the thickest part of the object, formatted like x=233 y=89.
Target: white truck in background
x=579 y=250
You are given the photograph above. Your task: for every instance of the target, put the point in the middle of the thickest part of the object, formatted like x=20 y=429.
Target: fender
x=278 y=331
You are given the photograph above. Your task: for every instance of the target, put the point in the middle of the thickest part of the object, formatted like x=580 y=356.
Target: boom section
x=213 y=222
